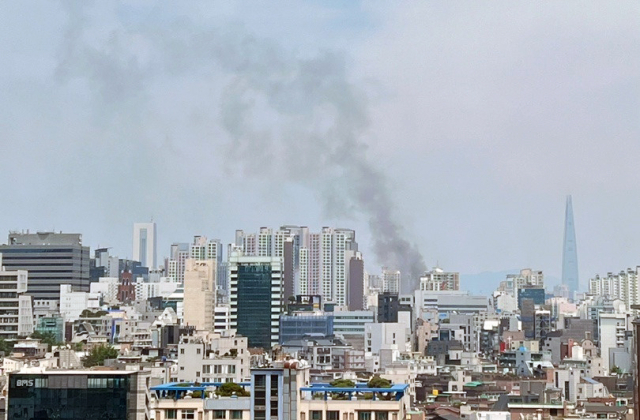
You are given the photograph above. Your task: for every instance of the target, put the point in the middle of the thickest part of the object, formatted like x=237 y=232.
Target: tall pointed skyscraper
x=570 y=252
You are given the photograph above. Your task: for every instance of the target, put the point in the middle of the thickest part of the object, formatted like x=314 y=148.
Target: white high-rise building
x=16 y=310
x=438 y=279
x=177 y=261
x=390 y=280
x=526 y=277
x=332 y=263
x=145 y=244
x=200 y=293
x=624 y=286
x=265 y=242
x=204 y=249
x=317 y=262
x=612 y=331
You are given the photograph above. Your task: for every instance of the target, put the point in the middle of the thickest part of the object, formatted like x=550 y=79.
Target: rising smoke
x=287 y=118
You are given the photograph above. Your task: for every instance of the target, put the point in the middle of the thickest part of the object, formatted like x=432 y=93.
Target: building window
x=333 y=415
x=219 y=414
x=364 y=415
x=188 y=414
x=236 y=414
x=197 y=351
x=316 y=415
x=260 y=381
x=181 y=351
x=382 y=415
x=171 y=414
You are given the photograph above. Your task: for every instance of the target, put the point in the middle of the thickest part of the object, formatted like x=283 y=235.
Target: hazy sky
x=460 y=126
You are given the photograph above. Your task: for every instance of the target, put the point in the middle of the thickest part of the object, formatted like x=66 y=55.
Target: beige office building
x=199 y=293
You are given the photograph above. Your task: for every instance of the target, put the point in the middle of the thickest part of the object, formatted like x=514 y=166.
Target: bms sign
x=24 y=382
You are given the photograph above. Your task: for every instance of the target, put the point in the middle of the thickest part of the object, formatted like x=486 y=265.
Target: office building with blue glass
x=256 y=298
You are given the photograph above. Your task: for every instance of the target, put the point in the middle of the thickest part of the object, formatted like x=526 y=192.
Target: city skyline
x=464 y=119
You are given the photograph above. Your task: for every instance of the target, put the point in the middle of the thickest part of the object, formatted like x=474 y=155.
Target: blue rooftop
x=179 y=389
x=323 y=388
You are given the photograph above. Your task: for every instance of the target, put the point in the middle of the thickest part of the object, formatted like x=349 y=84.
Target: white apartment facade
x=214 y=357
x=16 y=311
x=391 y=281
x=438 y=279
x=624 y=285
x=73 y=303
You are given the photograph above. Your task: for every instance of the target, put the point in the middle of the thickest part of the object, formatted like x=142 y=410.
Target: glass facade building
x=53 y=325
x=75 y=395
x=294 y=327
x=51 y=259
x=256 y=298
x=254 y=304
x=536 y=294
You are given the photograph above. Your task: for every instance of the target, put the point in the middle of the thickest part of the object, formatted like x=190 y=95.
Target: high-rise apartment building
x=527 y=277
x=624 y=285
x=200 y=293
x=16 y=310
x=204 y=249
x=51 y=259
x=145 y=244
x=314 y=263
x=177 y=260
x=256 y=297
x=570 y=252
x=438 y=279
x=391 y=281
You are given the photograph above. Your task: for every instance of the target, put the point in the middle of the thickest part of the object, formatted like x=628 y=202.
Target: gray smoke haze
x=285 y=117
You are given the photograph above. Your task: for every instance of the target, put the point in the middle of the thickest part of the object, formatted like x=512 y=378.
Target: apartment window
x=236 y=414
x=188 y=414
x=364 y=415
x=181 y=351
x=382 y=415
x=333 y=415
x=316 y=415
x=171 y=414
x=197 y=351
x=260 y=381
x=219 y=414
x=232 y=368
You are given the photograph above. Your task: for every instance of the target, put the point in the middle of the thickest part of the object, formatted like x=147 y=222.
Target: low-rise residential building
x=213 y=357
